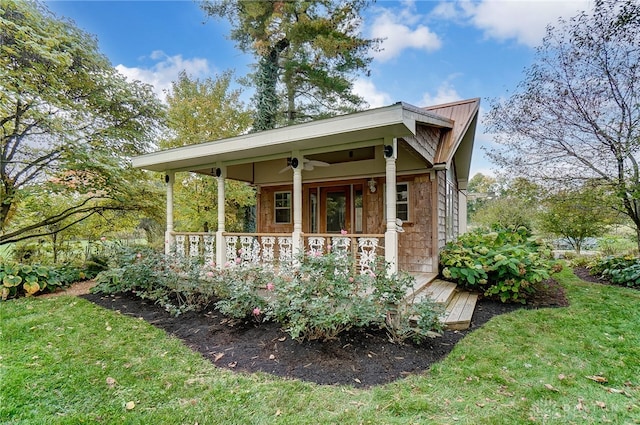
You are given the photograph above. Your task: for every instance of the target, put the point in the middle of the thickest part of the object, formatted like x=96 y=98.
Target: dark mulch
x=361 y=359
x=583 y=273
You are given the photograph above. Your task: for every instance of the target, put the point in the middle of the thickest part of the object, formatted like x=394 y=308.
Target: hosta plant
x=25 y=279
x=623 y=271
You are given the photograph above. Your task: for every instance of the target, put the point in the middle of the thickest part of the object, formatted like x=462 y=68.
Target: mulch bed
x=361 y=359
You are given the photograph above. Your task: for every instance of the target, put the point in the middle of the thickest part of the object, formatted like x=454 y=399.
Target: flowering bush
x=242 y=291
x=324 y=298
x=176 y=285
x=319 y=299
x=503 y=264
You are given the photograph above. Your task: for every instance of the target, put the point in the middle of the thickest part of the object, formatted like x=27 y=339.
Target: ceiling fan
x=307 y=164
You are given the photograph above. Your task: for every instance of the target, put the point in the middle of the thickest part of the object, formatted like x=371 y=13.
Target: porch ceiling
x=361 y=128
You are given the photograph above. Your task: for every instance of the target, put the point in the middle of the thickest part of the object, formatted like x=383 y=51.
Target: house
x=388 y=181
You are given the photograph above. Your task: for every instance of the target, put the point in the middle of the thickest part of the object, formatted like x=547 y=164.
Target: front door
x=335 y=209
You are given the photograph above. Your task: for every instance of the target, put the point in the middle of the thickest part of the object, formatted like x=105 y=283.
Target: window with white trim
x=282 y=207
x=403 y=201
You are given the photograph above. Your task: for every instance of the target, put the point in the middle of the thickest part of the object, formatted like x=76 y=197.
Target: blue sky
x=434 y=51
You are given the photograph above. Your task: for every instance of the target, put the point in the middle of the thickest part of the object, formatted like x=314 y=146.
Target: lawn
x=65 y=361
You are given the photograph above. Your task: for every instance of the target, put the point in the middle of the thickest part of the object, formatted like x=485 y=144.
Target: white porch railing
x=276 y=249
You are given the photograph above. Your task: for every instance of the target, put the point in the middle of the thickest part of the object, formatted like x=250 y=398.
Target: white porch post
x=221 y=248
x=169 y=178
x=391 y=234
x=296 y=243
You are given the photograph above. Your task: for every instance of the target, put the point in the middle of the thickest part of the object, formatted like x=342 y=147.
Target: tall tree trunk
x=267 y=102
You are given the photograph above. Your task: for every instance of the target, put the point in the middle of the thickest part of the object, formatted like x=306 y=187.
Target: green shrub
x=623 y=271
x=26 y=280
x=324 y=298
x=319 y=299
x=616 y=246
x=243 y=291
x=503 y=265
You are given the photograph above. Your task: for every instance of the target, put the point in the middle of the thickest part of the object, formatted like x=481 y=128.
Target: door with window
x=336 y=208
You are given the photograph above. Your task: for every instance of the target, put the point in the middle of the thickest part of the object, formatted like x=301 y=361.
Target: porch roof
x=362 y=128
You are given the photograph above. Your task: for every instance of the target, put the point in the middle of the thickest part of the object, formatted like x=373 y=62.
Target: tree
x=307 y=51
x=480 y=189
x=502 y=203
x=505 y=213
x=576 y=115
x=69 y=123
x=576 y=215
x=201 y=111
x=204 y=111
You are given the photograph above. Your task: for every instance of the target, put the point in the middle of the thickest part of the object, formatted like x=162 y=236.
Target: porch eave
x=373 y=125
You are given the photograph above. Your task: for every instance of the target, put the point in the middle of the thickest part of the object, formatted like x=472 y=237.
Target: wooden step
x=422 y=280
x=459 y=305
x=459 y=311
x=441 y=291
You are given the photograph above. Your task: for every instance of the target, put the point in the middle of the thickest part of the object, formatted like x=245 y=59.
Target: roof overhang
x=369 y=127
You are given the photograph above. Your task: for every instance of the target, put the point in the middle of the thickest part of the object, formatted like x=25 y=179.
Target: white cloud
x=370 y=93
x=401 y=30
x=524 y=21
x=445 y=93
x=165 y=70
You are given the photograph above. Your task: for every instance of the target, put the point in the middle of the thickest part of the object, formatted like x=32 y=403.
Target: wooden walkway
x=459 y=305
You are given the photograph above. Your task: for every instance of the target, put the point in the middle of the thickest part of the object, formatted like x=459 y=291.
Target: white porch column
x=221 y=246
x=169 y=178
x=296 y=243
x=391 y=234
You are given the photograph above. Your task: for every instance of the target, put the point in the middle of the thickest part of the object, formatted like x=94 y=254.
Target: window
x=450 y=207
x=402 y=201
x=282 y=207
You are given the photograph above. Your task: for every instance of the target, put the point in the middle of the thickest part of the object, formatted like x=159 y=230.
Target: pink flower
x=351 y=279
x=209 y=274
x=238 y=260
x=256 y=311
x=372 y=274
x=103 y=238
x=138 y=255
x=329 y=248
x=343 y=232
x=227 y=264
x=270 y=286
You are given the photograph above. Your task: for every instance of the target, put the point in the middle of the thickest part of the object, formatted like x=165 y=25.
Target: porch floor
x=459 y=305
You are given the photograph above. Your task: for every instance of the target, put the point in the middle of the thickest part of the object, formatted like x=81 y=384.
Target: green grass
x=58 y=355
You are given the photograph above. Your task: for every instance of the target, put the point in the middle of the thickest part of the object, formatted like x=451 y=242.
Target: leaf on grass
x=278 y=412
x=580 y=405
x=111 y=382
x=130 y=405
x=561 y=377
x=597 y=378
x=550 y=387
x=601 y=404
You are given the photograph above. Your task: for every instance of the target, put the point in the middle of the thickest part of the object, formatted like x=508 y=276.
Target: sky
x=433 y=51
